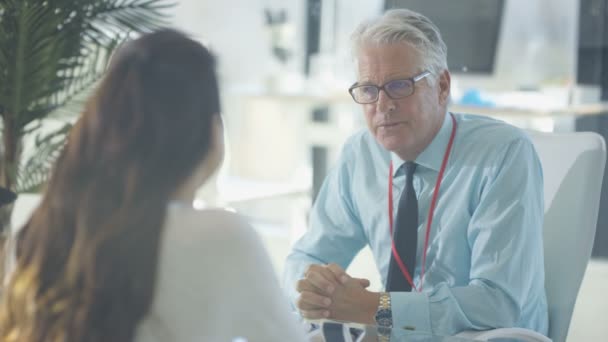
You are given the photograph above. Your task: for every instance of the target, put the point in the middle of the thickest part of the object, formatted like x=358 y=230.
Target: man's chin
x=391 y=143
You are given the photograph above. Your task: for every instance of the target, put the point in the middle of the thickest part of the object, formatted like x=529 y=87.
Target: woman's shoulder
x=208 y=218
x=191 y=226
x=214 y=275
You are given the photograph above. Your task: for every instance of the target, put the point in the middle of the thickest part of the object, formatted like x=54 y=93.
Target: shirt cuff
x=411 y=311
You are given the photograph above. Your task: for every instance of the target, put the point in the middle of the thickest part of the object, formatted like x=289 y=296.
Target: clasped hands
x=327 y=291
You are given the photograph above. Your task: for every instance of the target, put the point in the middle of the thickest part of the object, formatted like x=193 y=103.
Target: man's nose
x=385 y=103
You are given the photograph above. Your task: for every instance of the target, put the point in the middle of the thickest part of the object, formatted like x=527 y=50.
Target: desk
x=331 y=331
x=533 y=113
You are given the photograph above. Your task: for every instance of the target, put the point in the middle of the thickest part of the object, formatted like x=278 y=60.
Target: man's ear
x=445 y=81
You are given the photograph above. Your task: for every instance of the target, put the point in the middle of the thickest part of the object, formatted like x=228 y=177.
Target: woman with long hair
x=115 y=251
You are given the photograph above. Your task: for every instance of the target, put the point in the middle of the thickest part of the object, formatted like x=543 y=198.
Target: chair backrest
x=23 y=207
x=573 y=168
x=25 y=204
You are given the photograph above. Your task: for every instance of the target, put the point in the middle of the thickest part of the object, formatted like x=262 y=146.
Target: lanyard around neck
x=400 y=263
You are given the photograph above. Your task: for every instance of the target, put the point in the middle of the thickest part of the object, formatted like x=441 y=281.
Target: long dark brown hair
x=87 y=259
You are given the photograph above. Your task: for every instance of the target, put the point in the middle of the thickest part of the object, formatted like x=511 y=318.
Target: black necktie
x=405 y=234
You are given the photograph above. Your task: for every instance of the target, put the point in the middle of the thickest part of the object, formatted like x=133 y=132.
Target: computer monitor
x=469 y=28
x=504 y=45
x=493 y=45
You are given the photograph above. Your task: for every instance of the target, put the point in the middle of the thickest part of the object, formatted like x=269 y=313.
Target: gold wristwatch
x=384 y=317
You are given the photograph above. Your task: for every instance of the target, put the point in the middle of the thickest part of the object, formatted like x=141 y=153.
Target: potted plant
x=52 y=52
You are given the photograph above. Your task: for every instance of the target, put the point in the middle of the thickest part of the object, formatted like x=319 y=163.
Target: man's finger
x=310 y=300
x=362 y=281
x=338 y=272
x=304 y=285
x=329 y=275
x=315 y=314
x=323 y=271
x=320 y=282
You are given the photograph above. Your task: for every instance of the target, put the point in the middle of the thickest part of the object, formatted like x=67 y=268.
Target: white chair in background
x=573 y=168
x=25 y=204
x=23 y=207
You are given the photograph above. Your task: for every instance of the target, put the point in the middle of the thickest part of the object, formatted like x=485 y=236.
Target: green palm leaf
x=52 y=53
x=34 y=173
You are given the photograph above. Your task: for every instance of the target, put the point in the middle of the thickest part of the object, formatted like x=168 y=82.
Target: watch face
x=384 y=322
x=384 y=318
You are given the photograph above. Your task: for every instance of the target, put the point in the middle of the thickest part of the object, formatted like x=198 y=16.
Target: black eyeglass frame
x=412 y=80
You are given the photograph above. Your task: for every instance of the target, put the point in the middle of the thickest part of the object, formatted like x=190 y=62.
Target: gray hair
x=403 y=25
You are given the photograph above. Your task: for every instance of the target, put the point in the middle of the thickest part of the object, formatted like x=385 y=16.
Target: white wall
x=235 y=31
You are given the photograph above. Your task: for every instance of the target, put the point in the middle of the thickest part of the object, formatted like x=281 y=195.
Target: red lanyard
x=402 y=266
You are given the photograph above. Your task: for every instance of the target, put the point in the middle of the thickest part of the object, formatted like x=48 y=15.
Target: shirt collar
x=432 y=156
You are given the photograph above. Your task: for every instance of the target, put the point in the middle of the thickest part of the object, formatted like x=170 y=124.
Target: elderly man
x=450 y=204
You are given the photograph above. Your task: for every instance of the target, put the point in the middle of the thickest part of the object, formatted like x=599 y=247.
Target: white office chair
x=573 y=168
x=23 y=207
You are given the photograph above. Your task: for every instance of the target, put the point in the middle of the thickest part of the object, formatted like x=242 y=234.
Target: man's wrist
x=371 y=303
x=384 y=315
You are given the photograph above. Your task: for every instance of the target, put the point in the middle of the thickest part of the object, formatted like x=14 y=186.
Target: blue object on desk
x=473 y=97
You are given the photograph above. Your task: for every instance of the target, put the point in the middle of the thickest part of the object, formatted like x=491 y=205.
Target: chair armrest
x=519 y=334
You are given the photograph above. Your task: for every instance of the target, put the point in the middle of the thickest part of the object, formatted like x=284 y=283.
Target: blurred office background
x=285 y=67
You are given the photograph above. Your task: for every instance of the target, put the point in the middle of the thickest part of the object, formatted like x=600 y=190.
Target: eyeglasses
x=395 y=89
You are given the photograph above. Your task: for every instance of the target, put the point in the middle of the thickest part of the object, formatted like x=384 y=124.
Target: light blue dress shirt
x=484 y=266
